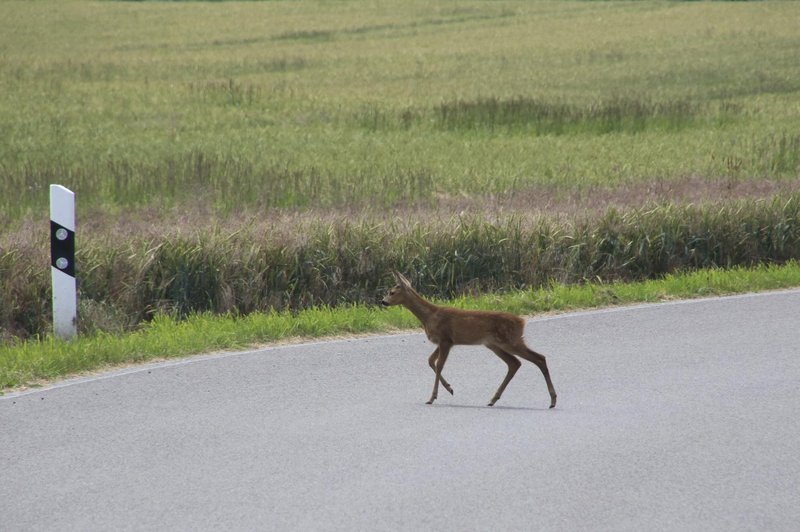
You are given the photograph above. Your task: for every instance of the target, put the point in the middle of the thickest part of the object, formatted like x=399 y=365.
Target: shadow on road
x=484 y=407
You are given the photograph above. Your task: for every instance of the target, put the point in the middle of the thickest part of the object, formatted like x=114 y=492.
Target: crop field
x=246 y=156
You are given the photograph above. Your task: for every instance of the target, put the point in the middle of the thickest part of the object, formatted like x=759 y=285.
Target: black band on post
x=62 y=248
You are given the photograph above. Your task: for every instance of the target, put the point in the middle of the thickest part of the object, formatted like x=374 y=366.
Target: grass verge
x=127 y=276
x=35 y=361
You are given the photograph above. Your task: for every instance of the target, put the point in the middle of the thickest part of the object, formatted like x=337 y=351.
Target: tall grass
x=530 y=115
x=525 y=114
x=260 y=267
x=778 y=155
x=27 y=363
x=265 y=107
x=272 y=104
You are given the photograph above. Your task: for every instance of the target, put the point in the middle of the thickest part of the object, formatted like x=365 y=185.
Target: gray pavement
x=670 y=417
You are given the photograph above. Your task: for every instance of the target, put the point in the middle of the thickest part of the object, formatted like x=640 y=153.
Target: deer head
x=399 y=293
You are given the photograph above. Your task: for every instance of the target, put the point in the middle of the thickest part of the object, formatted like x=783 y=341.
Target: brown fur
x=499 y=331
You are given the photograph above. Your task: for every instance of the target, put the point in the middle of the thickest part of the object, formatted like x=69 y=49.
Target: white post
x=62 y=260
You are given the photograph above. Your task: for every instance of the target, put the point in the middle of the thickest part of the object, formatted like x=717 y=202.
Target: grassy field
x=280 y=156
x=309 y=104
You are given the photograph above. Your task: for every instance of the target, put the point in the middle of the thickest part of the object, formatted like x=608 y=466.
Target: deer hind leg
x=444 y=350
x=523 y=351
x=513 y=365
x=432 y=364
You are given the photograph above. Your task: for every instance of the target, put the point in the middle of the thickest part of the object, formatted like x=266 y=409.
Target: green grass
x=34 y=361
x=523 y=115
x=263 y=138
x=286 y=104
x=129 y=273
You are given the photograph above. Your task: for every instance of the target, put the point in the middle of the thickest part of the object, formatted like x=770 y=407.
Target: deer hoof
x=449 y=389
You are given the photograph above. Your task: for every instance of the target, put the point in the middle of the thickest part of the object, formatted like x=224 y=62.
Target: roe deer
x=499 y=331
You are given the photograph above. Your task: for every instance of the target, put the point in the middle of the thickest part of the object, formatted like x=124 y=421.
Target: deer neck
x=420 y=308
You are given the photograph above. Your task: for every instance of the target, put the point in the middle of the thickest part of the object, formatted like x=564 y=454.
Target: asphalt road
x=676 y=416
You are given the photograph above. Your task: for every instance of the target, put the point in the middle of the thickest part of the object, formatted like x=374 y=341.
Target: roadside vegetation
x=256 y=159
x=33 y=363
x=133 y=272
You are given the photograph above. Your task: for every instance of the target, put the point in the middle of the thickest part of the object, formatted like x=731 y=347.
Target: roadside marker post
x=62 y=262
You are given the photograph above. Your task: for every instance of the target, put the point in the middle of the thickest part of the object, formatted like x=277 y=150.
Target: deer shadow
x=485 y=407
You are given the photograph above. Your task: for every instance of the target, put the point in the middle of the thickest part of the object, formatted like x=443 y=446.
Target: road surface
x=679 y=416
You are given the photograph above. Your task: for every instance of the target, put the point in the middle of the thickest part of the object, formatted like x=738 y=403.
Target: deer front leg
x=444 y=350
x=432 y=364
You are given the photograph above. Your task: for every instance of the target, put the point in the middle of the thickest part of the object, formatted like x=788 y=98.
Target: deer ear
x=402 y=280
